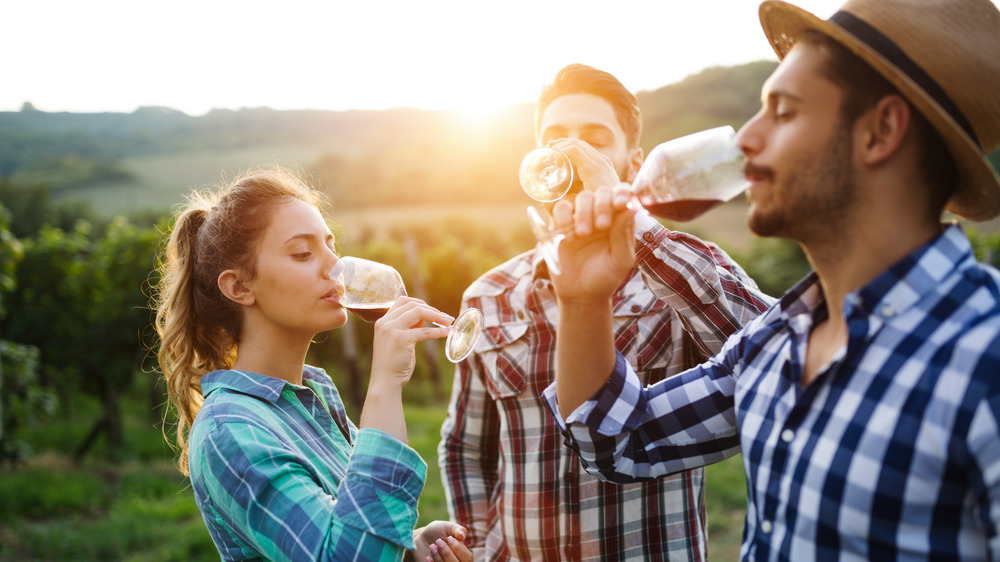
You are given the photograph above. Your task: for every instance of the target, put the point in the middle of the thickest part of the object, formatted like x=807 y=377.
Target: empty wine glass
x=679 y=180
x=370 y=289
x=546 y=174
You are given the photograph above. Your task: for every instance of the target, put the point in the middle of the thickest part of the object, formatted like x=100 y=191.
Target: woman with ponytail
x=278 y=470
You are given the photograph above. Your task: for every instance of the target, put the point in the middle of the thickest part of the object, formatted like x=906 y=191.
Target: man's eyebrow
x=588 y=127
x=775 y=95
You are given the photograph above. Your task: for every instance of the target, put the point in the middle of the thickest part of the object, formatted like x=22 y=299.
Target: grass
x=725 y=502
x=161 y=180
x=143 y=509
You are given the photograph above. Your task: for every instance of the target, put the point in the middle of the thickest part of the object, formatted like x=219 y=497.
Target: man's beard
x=814 y=197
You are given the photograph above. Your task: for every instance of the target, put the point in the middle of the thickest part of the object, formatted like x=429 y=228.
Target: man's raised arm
x=594 y=260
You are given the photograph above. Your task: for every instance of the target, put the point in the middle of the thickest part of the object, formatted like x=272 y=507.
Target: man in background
x=508 y=476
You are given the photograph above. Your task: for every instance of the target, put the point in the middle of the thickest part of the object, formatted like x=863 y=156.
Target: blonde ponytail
x=197 y=326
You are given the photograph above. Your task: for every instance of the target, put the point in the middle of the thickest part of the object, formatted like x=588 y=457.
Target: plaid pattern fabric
x=508 y=476
x=891 y=453
x=278 y=475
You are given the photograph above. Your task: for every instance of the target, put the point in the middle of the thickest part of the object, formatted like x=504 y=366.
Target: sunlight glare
x=478 y=113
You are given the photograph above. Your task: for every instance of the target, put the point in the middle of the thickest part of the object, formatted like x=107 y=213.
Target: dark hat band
x=891 y=51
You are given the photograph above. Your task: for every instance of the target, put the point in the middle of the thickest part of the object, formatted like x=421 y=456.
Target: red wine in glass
x=371 y=288
x=679 y=180
x=681 y=210
x=368 y=312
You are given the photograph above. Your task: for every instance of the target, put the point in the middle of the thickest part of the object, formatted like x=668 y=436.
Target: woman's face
x=292 y=289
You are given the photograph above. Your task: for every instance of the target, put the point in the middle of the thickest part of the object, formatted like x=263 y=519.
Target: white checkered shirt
x=891 y=453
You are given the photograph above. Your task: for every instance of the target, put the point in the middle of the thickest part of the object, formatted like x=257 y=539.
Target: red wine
x=369 y=313
x=682 y=209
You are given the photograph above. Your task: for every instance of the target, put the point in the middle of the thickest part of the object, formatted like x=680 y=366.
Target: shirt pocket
x=645 y=334
x=503 y=349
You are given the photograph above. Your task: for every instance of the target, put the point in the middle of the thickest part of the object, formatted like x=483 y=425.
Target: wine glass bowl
x=546 y=174
x=682 y=178
x=679 y=180
x=371 y=288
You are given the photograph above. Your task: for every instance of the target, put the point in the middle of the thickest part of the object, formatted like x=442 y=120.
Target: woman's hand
x=396 y=337
x=441 y=541
x=393 y=359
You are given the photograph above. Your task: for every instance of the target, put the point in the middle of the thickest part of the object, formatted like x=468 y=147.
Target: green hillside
x=146 y=160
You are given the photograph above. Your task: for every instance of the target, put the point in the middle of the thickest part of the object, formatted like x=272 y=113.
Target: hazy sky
x=195 y=55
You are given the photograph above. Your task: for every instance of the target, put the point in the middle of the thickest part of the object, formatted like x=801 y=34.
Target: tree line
x=75 y=286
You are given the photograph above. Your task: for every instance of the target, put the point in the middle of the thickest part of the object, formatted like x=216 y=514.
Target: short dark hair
x=583 y=79
x=863 y=87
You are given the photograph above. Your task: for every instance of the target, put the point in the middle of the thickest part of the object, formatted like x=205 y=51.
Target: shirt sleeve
x=468 y=452
x=711 y=294
x=627 y=433
x=267 y=499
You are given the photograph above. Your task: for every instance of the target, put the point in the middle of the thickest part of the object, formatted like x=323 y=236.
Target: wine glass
x=546 y=174
x=370 y=288
x=680 y=180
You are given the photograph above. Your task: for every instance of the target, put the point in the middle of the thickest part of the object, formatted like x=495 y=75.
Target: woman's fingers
x=449 y=550
x=412 y=314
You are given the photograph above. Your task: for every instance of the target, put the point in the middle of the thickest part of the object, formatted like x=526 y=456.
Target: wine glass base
x=464 y=335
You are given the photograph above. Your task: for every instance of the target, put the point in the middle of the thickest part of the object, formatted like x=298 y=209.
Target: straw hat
x=942 y=55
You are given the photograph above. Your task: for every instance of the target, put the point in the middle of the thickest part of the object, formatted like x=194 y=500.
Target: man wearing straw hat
x=866 y=402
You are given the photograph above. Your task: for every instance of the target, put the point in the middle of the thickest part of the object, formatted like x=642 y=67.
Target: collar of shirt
x=253 y=384
x=269 y=389
x=647 y=230
x=888 y=296
x=891 y=293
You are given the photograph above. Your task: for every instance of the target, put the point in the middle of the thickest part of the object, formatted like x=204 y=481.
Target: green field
x=161 y=180
x=143 y=509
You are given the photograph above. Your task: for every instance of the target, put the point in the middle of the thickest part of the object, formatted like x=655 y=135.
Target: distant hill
x=362 y=158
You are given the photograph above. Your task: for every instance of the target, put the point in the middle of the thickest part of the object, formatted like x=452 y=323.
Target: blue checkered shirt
x=280 y=473
x=891 y=453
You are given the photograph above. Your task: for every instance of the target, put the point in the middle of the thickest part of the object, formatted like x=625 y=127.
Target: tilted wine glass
x=546 y=174
x=679 y=180
x=370 y=289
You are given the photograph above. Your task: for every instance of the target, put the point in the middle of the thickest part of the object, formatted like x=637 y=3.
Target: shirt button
x=766 y=527
x=636 y=308
x=888 y=311
x=647 y=236
x=539 y=284
x=520 y=314
x=787 y=435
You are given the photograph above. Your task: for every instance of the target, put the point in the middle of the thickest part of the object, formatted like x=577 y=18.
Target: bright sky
x=195 y=55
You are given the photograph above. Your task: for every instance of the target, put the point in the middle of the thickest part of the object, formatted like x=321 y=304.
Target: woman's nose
x=336 y=269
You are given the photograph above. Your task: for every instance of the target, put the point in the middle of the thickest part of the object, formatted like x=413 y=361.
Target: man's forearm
x=585 y=352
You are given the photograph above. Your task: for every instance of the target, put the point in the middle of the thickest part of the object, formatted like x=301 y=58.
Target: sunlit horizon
x=117 y=55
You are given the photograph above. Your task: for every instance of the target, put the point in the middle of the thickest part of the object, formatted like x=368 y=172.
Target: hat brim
x=977 y=195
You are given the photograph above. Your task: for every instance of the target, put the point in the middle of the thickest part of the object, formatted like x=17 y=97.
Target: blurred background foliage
x=86 y=467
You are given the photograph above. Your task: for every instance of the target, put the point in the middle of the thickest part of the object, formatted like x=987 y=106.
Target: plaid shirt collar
x=647 y=230
x=892 y=292
x=253 y=384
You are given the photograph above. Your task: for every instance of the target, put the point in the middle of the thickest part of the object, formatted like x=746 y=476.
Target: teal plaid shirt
x=280 y=473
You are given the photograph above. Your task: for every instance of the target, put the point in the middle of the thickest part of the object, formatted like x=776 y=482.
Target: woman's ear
x=234 y=289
